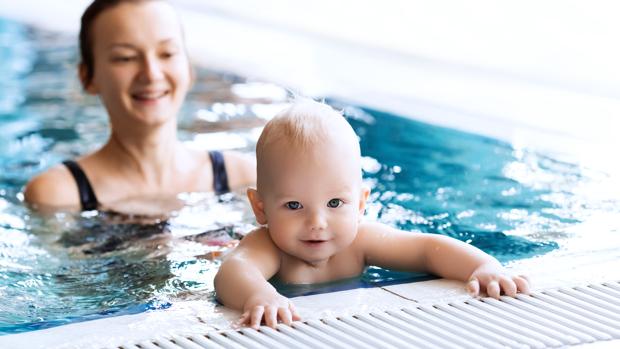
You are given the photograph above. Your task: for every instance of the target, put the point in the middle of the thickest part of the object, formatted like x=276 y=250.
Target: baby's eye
x=334 y=203
x=293 y=205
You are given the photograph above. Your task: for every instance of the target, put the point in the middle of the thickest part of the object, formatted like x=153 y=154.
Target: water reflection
x=85 y=265
x=63 y=267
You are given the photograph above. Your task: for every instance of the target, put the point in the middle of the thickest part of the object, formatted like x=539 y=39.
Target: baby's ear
x=363 y=197
x=257 y=206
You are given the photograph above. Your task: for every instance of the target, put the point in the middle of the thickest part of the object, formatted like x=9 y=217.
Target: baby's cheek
x=284 y=240
x=348 y=230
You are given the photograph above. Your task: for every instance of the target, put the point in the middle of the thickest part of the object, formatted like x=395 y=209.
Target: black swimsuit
x=88 y=199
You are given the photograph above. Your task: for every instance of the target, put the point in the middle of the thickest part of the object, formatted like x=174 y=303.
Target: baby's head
x=309 y=180
x=310 y=131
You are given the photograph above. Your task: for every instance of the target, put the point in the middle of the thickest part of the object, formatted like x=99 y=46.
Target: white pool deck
x=484 y=72
x=201 y=317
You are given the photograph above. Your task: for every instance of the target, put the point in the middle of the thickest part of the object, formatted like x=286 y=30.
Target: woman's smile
x=149 y=96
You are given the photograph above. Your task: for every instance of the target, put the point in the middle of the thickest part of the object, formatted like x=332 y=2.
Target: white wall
x=526 y=71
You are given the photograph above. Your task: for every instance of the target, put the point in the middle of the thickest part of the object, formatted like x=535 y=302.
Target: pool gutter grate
x=551 y=318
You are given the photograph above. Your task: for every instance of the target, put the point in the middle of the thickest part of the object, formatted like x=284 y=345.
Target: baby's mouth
x=313 y=242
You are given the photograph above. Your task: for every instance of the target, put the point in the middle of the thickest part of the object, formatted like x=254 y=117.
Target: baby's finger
x=271 y=316
x=523 y=284
x=509 y=287
x=294 y=312
x=285 y=315
x=524 y=277
x=256 y=316
x=493 y=289
x=473 y=287
x=243 y=319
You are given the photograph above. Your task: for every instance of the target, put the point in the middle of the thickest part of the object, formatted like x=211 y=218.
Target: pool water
x=63 y=267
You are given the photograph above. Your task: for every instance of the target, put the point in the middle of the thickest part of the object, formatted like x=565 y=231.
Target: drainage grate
x=551 y=318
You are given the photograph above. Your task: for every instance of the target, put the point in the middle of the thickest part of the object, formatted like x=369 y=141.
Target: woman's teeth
x=150 y=95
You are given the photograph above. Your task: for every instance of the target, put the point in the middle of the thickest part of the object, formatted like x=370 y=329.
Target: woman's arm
x=241 y=282
x=440 y=255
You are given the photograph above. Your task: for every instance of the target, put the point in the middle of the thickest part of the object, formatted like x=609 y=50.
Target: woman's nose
x=152 y=69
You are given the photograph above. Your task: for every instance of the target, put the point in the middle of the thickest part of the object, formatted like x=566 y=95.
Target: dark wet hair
x=86 y=40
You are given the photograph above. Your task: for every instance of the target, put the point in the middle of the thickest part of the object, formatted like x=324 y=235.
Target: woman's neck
x=149 y=155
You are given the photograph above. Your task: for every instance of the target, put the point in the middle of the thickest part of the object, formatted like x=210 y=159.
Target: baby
x=310 y=201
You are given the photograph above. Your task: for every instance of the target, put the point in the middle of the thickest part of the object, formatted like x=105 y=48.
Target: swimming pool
x=59 y=268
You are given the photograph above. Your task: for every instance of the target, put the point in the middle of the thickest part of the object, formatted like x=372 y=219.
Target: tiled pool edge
x=183 y=338
x=187 y=317
x=192 y=317
x=559 y=317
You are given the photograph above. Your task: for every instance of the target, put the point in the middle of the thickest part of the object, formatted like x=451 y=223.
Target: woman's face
x=141 y=70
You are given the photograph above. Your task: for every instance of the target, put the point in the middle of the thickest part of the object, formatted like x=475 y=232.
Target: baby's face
x=313 y=199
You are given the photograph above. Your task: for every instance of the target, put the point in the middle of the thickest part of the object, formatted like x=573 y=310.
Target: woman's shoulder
x=240 y=168
x=54 y=187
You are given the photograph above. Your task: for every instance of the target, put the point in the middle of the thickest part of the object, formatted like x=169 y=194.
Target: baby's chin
x=315 y=259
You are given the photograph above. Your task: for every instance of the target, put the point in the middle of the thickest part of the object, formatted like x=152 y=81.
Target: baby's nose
x=317 y=221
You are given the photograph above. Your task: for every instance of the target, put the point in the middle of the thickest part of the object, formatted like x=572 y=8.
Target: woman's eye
x=334 y=203
x=169 y=54
x=123 y=59
x=293 y=205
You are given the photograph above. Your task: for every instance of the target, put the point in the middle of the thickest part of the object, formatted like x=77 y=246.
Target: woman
x=134 y=58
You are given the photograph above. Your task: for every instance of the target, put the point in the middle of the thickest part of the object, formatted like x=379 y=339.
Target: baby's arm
x=241 y=282
x=441 y=255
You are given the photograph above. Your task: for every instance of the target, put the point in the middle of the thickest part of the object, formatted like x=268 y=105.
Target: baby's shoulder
x=257 y=248
x=366 y=229
x=373 y=234
x=257 y=239
x=259 y=233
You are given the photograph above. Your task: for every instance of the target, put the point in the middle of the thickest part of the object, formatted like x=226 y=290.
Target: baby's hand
x=493 y=278
x=271 y=307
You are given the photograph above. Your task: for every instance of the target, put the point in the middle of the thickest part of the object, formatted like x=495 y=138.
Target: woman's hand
x=495 y=279
x=272 y=307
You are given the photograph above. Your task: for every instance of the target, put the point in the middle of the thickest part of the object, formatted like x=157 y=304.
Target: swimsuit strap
x=220 y=178
x=88 y=199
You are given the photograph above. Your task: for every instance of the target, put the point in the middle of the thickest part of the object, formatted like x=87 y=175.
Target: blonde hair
x=302 y=125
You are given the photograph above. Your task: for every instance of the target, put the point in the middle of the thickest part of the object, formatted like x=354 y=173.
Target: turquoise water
x=63 y=267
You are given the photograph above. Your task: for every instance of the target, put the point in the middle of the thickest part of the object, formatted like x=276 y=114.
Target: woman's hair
x=86 y=38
